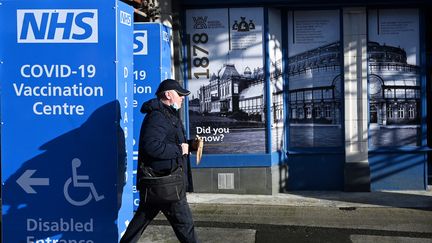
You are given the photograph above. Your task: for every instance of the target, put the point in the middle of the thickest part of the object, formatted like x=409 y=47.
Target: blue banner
x=66 y=119
x=152 y=64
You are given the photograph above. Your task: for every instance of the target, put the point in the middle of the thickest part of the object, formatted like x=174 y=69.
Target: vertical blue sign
x=125 y=97
x=66 y=127
x=152 y=64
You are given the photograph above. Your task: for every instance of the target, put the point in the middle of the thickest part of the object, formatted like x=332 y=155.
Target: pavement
x=306 y=216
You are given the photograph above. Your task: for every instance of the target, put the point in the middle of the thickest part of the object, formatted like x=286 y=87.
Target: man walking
x=163 y=147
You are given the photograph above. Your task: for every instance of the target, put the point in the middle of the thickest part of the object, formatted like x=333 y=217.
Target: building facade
x=308 y=96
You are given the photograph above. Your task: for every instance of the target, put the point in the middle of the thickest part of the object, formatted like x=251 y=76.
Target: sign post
x=152 y=64
x=66 y=83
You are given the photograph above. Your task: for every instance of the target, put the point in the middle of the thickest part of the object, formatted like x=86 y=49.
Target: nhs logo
x=57 y=26
x=140 y=42
x=125 y=18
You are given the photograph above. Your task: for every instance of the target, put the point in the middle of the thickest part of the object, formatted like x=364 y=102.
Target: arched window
x=401 y=112
x=293 y=113
x=389 y=112
x=308 y=113
x=317 y=112
x=328 y=112
x=300 y=112
x=411 y=112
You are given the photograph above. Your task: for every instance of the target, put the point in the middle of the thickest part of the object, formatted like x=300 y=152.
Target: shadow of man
x=86 y=172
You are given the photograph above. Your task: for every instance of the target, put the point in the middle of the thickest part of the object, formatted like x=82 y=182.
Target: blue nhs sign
x=66 y=156
x=141 y=41
x=57 y=26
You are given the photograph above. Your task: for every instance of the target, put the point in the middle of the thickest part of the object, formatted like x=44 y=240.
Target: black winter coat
x=159 y=146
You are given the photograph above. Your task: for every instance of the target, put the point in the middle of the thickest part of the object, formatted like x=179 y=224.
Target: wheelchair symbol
x=77 y=181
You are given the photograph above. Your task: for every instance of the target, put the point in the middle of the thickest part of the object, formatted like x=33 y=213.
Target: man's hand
x=185 y=148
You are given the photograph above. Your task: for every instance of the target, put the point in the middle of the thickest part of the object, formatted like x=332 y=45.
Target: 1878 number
x=200 y=61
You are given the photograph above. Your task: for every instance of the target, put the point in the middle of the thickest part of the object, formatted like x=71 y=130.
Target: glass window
x=300 y=96
x=401 y=112
x=400 y=93
x=317 y=94
x=293 y=113
x=389 y=112
x=308 y=95
x=389 y=93
x=293 y=97
x=323 y=63
x=411 y=112
x=300 y=113
x=410 y=93
x=328 y=111
x=308 y=113
x=318 y=112
x=328 y=94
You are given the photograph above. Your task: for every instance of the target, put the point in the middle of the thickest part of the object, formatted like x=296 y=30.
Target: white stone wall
x=356 y=100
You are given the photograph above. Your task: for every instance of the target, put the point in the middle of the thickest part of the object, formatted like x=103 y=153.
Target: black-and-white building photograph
x=394 y=78
x=314 y=77
x=315 y=97
x=233 y=101
x=226 y=80
x=394 y=96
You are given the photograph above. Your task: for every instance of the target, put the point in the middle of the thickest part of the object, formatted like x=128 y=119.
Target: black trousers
x=178 y=215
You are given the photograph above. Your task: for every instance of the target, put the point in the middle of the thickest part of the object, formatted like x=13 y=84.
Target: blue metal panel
x=64 y=119
x=398 y=171
x=315 y=172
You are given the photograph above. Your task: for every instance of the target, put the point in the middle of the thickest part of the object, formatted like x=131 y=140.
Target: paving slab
x=165 y=234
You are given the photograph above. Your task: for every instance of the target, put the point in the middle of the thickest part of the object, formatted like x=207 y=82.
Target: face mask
x=175 y=106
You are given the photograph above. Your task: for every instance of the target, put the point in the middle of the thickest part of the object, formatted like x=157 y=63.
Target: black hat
x=171 y=84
